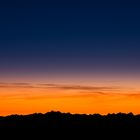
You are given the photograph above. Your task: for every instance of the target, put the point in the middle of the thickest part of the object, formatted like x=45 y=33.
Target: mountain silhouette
x=57 y=124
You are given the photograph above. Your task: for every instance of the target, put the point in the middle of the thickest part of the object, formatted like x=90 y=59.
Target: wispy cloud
x=57 y=86
x=48 y=90
x=16 y=85
x=133 y=95
x=78 y=87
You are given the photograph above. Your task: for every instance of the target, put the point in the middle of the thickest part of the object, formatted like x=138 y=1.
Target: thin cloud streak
x=56 y=86
x=77 y=87
x=63 y=91
x=45 y=90
x=16 y=85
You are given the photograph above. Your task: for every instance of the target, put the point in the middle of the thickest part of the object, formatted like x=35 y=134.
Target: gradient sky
x=76 y=49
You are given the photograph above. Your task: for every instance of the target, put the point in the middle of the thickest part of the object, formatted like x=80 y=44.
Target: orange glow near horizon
x=24 y=98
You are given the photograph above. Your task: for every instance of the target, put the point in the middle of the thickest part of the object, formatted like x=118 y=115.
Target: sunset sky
x=78 y=56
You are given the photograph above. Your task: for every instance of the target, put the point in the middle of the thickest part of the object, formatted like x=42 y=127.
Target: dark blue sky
x=69 y=36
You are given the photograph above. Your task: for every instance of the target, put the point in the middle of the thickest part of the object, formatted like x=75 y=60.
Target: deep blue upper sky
x=66 y=35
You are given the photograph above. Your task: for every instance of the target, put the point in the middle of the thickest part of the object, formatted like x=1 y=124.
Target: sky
x=72 y=56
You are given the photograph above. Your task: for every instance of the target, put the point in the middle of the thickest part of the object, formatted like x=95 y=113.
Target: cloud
x=57 y=86
x=133 y=95
x=52 y=90
x=16 y=85
x=21 y=84
x=78 y=87
x=48 y=85
x=49 y=90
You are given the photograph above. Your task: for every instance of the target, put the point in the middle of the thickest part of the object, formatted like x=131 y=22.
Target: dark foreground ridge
x=54 y=124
